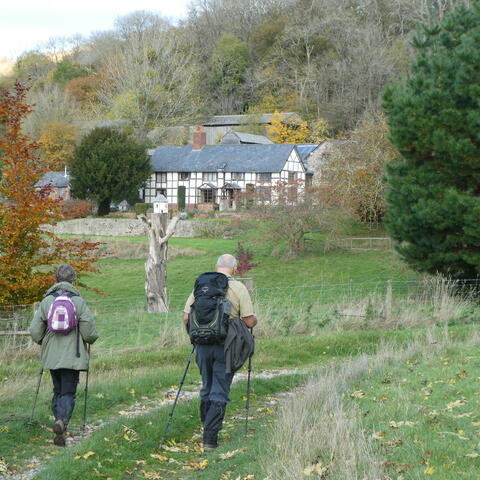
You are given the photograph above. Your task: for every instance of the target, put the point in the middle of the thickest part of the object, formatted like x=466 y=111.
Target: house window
x=208 y=195
x=162 y=191
x=184 y=175
x=209 y=176
x=292 y=177
x=264 y=177
x=264 y=194
x=308 y=180
x=161 y=177
x=238 y=176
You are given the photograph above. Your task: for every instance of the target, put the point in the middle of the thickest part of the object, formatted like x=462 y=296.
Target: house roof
x=305 y=150
x=237 y=138
x=226 y=120
x=228 y=158
x=54 y=179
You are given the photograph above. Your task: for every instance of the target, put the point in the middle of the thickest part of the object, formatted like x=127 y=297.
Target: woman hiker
x=63 y=325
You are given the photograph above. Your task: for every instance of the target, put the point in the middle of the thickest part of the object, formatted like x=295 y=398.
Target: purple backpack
x=62 y=316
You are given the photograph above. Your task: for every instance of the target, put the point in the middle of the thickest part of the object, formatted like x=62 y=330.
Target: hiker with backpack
x=63 y=325
x=218 y=315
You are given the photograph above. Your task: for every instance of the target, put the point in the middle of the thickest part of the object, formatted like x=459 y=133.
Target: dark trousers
x=65 y=383
x=215 y=389
x=215 y=381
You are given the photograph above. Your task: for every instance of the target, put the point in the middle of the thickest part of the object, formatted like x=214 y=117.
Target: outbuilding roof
x=231 y=120
x=228 y=158
x=54 y=179
x=238 y=138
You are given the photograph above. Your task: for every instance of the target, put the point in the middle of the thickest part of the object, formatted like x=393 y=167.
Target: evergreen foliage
x=108 y=166
x=433 y=198
x=67 y=70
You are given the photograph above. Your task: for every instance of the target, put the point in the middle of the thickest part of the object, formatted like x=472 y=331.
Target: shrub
x=142 y=208
x=244 y=256
x=74 y=208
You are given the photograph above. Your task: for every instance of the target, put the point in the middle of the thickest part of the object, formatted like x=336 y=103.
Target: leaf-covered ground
x=425 y=415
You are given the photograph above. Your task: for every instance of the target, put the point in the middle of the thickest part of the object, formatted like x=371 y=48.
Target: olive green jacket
x=59 y=351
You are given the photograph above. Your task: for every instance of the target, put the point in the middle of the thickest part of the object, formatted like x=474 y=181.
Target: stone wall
x=119 y=227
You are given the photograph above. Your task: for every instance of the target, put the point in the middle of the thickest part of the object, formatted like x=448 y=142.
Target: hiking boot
x=210 y=440
x=59 y=431
x=208 y=447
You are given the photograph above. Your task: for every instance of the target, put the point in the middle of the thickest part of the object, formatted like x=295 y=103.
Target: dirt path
x=143 y=407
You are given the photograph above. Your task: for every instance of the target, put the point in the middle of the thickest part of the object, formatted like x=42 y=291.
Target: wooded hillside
x=324 y=59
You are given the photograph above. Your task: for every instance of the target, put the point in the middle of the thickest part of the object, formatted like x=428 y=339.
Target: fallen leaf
x=225 y=456
x=378 y=435
x=129 y=434
x=151 y=475
x=429 y=471
x=157 y=456
x=462 y=374
x=199 y=465
x=316 y=469
x=456 y=403
x=396 y=425
x=3 y=466
x=357 y=394
x=86 y=456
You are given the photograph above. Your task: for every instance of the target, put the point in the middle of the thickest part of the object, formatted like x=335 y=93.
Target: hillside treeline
x=325 y=59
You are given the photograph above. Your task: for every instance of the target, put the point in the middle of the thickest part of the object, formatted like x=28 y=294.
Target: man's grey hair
x=65 y=273
x=226 y=261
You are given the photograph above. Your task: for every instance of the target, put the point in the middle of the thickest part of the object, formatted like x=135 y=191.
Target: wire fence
x=124 y=322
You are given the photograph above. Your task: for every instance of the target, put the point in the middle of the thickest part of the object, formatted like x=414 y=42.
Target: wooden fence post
x=388 y=301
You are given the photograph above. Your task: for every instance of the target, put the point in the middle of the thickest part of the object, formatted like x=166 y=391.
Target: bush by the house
x=75 y=208
x=141 y=208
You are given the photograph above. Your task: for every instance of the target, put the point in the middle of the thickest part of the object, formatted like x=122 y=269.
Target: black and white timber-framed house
x=202 y=176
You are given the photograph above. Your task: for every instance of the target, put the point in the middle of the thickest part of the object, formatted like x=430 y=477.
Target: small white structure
x=160 y=204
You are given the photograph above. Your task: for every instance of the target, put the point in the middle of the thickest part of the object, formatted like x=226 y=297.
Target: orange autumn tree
x=28 y=254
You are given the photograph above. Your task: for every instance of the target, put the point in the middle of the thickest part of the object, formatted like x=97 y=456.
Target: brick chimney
x=199 y=137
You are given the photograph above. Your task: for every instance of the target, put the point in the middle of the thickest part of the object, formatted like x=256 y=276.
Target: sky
x=27 y=24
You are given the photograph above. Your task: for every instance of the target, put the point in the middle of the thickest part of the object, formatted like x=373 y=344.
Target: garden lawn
x=122 y=280
x=425 y=415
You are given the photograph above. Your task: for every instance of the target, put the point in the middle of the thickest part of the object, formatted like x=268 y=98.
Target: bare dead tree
x=156 y=265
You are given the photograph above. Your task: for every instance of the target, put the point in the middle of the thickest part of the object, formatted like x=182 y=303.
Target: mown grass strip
x=119 y=446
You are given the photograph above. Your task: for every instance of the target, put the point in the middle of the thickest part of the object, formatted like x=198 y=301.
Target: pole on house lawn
x=84 y=425
x=247 y=405
x=35 y=399
x=172 y=410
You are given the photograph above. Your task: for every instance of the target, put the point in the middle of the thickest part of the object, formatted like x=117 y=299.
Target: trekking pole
x=35 y=400
x=247 y=405
x=170 y=415
x=86 y=393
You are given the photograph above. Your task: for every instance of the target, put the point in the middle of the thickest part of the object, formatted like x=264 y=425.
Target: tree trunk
x=104 y=207
x=156 y=264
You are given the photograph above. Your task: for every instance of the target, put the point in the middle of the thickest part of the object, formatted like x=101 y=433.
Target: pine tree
x=108 y=166
x=433 y=204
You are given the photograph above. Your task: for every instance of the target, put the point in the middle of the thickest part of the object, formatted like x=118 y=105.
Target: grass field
x=322 y=315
